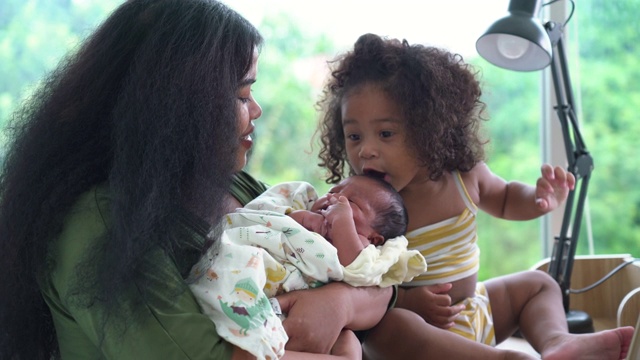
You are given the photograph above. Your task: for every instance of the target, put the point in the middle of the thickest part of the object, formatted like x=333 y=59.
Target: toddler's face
x=375 y=137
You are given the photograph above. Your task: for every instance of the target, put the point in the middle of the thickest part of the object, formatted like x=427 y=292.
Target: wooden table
x=615 y=302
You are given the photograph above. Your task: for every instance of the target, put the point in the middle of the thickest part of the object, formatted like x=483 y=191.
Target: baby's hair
x=436 y=91
x=392 y=218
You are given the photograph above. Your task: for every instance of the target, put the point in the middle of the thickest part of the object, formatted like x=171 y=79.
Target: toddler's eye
x=353 y=137
x=386 y=134
x=244 y=100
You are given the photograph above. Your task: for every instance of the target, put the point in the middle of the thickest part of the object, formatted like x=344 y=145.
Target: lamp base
x=579 y=322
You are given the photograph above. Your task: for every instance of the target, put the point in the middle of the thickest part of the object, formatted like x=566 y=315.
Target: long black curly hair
x=147 y=105
x=437 y=92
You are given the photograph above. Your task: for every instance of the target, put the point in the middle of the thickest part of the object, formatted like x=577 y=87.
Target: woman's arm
x=159 y=318
x=316 y=317
x=347 y=347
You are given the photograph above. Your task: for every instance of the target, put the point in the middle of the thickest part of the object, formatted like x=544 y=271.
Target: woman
x=117 y=169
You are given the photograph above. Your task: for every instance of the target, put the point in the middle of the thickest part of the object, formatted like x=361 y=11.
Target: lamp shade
x=517 y=41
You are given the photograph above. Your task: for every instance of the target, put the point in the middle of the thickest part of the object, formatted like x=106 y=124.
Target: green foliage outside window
x=35 y=34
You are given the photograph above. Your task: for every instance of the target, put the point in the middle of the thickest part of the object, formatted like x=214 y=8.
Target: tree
x=34 y=36
x=290 y=65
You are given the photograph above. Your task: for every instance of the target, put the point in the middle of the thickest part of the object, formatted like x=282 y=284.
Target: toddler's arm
x=518 y=201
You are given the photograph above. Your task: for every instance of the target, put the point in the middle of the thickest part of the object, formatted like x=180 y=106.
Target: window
x=301 y=36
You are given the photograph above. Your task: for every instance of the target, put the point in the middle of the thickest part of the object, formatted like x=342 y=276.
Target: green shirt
x=169 y=325
x=246 y=188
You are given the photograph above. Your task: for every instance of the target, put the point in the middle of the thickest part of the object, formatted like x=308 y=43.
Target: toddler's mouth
x=374 y=173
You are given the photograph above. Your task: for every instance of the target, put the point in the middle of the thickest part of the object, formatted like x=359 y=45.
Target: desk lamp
x=520 y=42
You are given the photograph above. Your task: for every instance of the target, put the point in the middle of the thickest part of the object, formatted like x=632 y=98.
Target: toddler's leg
x=529 y=300
x=402 y=334
x=532 y=301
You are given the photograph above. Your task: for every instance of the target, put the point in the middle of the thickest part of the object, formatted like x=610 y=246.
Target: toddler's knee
x=541 y=279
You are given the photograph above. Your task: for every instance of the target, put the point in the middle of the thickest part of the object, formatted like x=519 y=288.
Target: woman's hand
x=347 y=347
x=316 y=317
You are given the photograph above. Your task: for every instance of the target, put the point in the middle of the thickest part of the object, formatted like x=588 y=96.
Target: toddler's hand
x=433 y=304
x=553 y=187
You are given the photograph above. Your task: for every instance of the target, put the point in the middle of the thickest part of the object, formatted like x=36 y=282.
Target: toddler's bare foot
x=604 y=345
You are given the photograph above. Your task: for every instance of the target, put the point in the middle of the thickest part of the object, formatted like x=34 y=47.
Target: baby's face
x=362 y=194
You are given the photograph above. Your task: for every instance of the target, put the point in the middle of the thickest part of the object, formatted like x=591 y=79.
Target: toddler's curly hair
x=436 y=91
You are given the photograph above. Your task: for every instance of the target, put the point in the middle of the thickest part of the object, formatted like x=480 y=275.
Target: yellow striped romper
x=452 y=253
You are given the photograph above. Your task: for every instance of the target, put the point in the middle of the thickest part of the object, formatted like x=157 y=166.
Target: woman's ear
x=376 y=239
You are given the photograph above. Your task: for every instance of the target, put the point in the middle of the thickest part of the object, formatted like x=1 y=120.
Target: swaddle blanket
x=263 y=252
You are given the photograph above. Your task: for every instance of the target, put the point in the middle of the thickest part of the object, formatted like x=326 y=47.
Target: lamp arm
x=580 y=164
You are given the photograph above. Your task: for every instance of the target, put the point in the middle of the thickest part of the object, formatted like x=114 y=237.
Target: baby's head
x=377 y=206
x=436 y=92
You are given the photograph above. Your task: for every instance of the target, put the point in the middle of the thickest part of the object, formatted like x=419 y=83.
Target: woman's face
x=247 y=111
